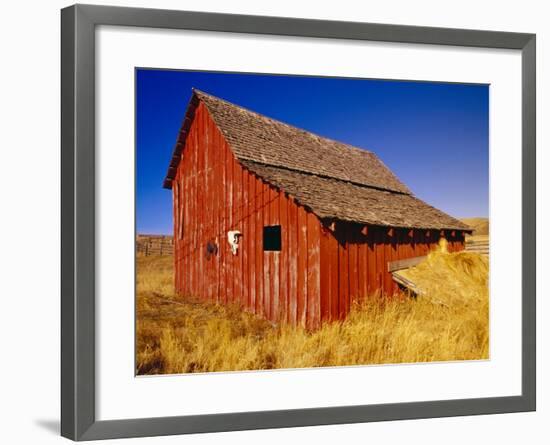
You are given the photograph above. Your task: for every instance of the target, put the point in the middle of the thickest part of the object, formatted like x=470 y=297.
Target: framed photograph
x=273 y=222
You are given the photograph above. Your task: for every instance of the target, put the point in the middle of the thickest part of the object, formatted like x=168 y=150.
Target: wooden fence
x=478 y=246
x=155 y=244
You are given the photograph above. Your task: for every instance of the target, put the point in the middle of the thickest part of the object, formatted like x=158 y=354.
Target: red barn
x=290 y=225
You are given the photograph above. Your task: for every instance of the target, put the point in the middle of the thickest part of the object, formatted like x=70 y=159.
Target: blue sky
x=433 y=136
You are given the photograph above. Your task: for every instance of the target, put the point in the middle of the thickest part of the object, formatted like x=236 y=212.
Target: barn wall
x=213 y=194
x=354 y=264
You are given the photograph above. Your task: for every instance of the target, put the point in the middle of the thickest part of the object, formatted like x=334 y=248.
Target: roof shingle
x=334 y=199
x=258 y=138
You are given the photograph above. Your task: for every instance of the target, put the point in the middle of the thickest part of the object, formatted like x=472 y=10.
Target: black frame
x=78 y=24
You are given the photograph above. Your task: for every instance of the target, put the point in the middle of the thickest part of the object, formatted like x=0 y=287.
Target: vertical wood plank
x=252 y=242
x=199 y=215
x=267 y=259
x=461 y=242
x=274 y=214
x=230 y=259
x=259 y=248
x=415 y=242
x=187 y=229
x=313 y=272
x=185 y=237
x=190 y=207
x=325 y=274
x=362 y=268
x=283 y=274
x=425 y=243
x=205 y=211
x=204 y=146
x=394 y=256
x=388 y=282
x=181 y=241
x=245 y=240
x=175 y=202
x=343 y=263
x=379 y=246
x=218 y=204
x=334 y=277
x=408 y=237
x=237 y=224
x=426 y=240
x=302 y=267
x=209 y=209
x=181 y=230
x=371 y=262
x=401 y=243
x=193 y=206
x=213 y=224
x=353 y=260
x=179 y=247
x=175 y=212
x=410 y=243
x=293 y=229
x=222 y=246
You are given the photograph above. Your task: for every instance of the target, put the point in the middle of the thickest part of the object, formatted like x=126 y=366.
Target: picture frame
x=78 y=182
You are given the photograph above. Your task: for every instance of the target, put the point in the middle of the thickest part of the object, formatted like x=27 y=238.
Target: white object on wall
x=233 y=239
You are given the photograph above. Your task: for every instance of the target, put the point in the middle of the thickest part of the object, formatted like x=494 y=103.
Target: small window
x=272 y=238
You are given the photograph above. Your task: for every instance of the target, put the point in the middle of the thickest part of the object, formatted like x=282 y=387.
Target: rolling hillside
x=480 y=225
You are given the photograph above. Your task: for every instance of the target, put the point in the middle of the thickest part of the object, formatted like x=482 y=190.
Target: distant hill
x=480 y=225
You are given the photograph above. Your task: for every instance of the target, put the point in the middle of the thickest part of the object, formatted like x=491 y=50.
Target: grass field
x=480 y=225
x=449 y=321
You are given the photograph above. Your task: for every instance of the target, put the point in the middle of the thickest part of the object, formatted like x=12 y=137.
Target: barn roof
x=332 y=179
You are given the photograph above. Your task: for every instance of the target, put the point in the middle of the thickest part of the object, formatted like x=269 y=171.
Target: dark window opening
x=272 y=238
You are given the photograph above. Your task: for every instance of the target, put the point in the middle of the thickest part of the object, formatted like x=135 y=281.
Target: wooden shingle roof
x=334 y=180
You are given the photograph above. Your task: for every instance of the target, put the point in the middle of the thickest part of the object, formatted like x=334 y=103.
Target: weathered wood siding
x=354 y=261
x=214 y=194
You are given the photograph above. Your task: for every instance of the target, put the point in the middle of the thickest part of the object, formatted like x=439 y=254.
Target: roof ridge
x=279 y=122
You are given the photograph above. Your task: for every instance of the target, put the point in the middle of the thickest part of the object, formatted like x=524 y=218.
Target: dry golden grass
x=480 y=225
x=477 y=238
x=449 y=321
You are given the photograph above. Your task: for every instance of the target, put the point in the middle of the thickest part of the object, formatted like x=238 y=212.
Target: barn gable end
x=213 y=195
